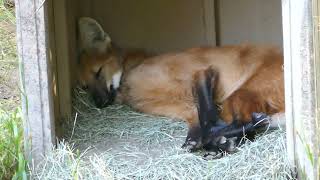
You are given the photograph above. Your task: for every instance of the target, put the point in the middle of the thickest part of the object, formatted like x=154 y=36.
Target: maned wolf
x=244 y=80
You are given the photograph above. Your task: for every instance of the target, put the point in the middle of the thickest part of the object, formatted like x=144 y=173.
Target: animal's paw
x=228 y=144
x=192 y=145
x=194 y=140
x=213 y=155
x=220 y=146
x=260 y=121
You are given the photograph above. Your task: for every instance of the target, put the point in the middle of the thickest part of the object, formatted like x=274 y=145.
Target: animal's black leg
x=215 y=135
x=203 y=93
x=203 y=83
x=194 y=139
x=260 y=121
x=226 y=137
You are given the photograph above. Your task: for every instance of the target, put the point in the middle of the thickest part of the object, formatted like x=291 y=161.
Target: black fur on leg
x=234 y=132
x=194 y=139
x=202 y=89
x=216 y=135
x=203 y=94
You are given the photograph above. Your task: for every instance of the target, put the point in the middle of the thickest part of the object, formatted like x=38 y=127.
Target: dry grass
x=9 y=76
x=119 y=143
x=12 y=162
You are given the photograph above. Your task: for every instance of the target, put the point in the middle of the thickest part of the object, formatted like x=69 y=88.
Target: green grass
x=7 y=34
x=9 y=80
x=12 y=162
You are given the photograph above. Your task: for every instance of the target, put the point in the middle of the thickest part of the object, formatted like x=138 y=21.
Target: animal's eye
x=97 y=74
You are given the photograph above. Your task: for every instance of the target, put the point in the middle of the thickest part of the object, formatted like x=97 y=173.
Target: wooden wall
x=62 y=40
x=255 y=21
x=176 y=24
x=157 y=26
x=154 y=25
x=301 y=61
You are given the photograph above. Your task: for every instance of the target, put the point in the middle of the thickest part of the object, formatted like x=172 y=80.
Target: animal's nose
x=111 y=95
x=103 y=97
x=99 y=95
x=99 y=100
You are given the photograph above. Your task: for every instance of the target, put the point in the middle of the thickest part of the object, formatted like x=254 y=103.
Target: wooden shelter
x=47 y=47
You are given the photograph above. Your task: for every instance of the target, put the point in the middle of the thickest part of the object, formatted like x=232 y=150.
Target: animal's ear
x=92 y=37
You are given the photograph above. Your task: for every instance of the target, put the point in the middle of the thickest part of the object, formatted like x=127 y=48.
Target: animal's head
x=101 y=75
x=99 y=66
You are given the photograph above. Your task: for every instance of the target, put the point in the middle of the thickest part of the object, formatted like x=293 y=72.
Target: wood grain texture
x=301 y=90
x=32 y=35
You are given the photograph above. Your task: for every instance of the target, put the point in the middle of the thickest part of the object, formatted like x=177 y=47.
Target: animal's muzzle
x=101 y=96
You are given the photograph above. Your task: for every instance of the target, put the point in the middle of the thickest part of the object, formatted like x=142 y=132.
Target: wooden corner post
x=36 y=77
x=302 y=89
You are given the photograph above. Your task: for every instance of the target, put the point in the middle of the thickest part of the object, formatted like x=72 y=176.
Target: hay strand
x=119 y=143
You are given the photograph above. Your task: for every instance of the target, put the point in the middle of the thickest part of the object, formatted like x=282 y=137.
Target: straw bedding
x=119 y=143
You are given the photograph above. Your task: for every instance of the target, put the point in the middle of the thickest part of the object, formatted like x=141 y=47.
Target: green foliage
x=7 y=34
x=12 y=162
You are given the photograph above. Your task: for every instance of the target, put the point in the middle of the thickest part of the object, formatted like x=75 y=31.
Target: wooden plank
x=250 y=21
x=53 y=57
x=316 y=49
x=217 y=22
x=85 y=7
x=35 y=68
x=63 y=58
x=157 y=26
x=301 y=89
x=72 y=8
x=209 y=21
x=287 y=51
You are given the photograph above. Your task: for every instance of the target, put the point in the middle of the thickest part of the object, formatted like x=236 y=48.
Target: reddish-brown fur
x=91 y=62
x=162 y=85
x=250 y=80
x=263 y=92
